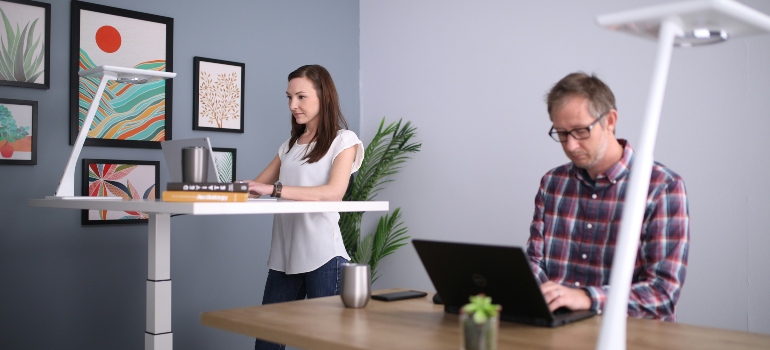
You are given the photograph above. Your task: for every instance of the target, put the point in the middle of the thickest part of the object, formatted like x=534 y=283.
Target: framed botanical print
x=129 y=179
x=224 y=159
x=129 y=115
x=18 y=132
x=26 y=51
x=218 y=95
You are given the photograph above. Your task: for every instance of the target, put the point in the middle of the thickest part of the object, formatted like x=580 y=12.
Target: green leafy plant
x=8 y=129
x=17 y=52
x=385 y=156
x=481 y=308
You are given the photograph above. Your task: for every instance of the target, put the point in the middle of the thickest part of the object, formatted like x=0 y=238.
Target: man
x=579 y=205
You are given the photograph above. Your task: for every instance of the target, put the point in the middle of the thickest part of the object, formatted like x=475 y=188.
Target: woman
x=314 y=164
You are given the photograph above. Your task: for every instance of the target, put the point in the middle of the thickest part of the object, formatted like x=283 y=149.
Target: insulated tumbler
x=195 y=164
x=356 y=282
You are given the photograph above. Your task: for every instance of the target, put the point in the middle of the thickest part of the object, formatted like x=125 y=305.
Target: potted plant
x=384 y=156
x=9 y=132
x=479 y=324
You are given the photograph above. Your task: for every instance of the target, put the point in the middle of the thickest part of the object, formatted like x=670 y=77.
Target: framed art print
x=26 y=45
x=129 y=115
x=218 y=95
x=18 y=132
x=129 y=179
x=224 y=159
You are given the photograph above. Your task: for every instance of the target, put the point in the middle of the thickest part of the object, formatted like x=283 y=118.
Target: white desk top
x=214 y=208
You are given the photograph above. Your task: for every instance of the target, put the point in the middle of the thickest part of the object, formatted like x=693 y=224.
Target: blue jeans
x=322 y=282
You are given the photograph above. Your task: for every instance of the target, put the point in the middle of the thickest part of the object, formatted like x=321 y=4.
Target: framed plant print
x=129 y=115
x=26 y=51
x=224 y=159
x=129 y=179
x=218 y=95
x=18 y=132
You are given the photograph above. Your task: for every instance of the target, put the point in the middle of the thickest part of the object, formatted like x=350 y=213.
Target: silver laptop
x=172 y=152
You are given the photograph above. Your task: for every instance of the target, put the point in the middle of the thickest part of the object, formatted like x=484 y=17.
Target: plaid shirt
x=575 y=226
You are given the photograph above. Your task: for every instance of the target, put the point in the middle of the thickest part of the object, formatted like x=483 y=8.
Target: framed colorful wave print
x=129 y=179
x=129 y=115
x=25 y=60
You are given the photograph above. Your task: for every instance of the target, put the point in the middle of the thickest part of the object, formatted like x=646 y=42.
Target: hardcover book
x=204 y=196
x=208 y=187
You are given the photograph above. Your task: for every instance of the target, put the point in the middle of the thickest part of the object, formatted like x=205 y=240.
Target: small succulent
x=481 y=308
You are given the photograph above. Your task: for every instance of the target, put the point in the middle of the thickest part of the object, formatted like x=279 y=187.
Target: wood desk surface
x=325 y=323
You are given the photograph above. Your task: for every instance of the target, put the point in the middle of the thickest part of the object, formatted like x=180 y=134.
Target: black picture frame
x=226 y=166
x=28 y=122
x=43 y=58
x=216 y=99
x=114 y=177
x=125 y=129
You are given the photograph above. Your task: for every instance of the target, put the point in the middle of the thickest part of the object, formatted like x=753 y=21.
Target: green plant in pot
x=385 y=155
x=9 y=132
x=479 y=323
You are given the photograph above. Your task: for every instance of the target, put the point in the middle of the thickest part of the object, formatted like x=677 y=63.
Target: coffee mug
x=356 y=285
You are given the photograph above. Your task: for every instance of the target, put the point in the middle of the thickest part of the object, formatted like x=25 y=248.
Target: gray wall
x=73 y=287
x=471 y=75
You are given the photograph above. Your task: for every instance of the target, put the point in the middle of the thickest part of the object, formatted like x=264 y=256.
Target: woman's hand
x=259 y=189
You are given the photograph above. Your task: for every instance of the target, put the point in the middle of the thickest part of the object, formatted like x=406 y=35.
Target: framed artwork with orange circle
x=129 y=115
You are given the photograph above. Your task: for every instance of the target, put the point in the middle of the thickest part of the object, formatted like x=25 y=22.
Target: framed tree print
x=18 y=132
x=129 y=179
x=224 y=160
x=218 y=95
x=25 y=60
x=129 y=115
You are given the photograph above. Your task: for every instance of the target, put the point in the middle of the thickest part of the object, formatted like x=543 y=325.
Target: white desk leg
x=158 y=334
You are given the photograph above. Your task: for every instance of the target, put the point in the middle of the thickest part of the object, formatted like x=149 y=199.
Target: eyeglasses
x=578 y=134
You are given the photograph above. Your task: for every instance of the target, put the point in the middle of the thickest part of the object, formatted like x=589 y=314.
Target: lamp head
x=127 y=75
x=702 y=21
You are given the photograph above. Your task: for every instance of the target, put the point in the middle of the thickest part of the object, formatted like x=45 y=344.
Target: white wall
x=471 y=75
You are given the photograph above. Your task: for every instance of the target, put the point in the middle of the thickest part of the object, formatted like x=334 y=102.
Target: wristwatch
x=277 y=187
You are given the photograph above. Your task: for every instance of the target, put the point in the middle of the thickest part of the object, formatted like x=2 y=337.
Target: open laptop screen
x=172 y=152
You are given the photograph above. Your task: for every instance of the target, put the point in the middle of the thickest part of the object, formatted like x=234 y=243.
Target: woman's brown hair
x=330 y=115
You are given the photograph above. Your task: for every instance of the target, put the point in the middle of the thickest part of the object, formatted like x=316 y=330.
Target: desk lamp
x=686 y=24
x=66 y=188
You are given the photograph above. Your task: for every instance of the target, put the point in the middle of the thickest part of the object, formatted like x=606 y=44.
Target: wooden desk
x=158 y=334
x=324 y=323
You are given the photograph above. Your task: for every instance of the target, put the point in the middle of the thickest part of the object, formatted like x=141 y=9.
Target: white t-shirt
x=304 y=242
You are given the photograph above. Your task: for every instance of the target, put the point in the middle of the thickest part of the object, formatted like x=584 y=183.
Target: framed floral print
x=130 y=115
x=218 y=95
x=129 y=179
x=25 y=60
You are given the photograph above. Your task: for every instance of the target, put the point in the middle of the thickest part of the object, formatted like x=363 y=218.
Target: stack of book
x=205 y=192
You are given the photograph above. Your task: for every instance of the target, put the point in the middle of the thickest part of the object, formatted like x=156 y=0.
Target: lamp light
x=66 y=188
x=684 y=24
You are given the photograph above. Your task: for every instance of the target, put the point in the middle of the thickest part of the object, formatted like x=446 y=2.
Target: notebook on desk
x=459 y=270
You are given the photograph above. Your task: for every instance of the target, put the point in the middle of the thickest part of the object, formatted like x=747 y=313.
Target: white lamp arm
x=66 y=186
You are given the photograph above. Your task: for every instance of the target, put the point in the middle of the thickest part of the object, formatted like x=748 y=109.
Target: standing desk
x=325 y=324
x=158 y=333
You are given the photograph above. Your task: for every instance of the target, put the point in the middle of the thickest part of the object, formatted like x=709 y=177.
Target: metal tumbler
x=356 y=282
x=195 y=164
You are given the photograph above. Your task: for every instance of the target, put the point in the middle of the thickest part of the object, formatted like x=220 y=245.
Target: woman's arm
x=263 y=184
x=332 y=191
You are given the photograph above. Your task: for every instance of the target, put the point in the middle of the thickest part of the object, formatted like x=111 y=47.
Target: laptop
x=172 y=152
x=459 y=270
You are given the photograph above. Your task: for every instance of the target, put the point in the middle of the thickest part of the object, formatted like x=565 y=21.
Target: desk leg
x=158 y=334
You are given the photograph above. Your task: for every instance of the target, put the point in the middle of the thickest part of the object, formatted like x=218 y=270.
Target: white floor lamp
x=682 y=24
x=66 y=188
